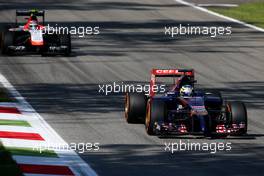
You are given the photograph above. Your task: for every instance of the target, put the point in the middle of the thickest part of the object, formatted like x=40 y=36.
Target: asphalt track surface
x=64 y=90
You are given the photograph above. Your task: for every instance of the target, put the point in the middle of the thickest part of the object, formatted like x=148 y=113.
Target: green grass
x=15 y=123
x=7 y=165
x=252 y=13
x=31 y=152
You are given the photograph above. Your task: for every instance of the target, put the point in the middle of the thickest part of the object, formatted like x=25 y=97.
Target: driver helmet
x=33 y=25
x=186 y=91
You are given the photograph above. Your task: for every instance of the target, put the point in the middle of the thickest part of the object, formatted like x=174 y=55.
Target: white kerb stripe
x=77 y=164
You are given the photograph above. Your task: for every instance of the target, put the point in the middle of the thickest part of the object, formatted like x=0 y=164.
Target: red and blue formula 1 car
x=33 y=37
x=181 y=109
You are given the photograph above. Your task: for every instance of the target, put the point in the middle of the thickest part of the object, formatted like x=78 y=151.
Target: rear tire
x=135 y=107
x=156 y=112
x=7 y=40
x=238 y=115
x=1 y=34
x=65 y=40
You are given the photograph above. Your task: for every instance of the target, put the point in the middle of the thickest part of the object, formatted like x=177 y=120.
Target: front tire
x=1 y=34
x=65 y=40
x=135 y=107
x=7 y=40
x=156 y=112
x=238 y=115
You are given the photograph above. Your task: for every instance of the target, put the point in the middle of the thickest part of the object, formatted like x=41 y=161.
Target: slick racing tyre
x=1 y=33
x=135 y=107
x=65 y=40
x=7 y=40
x=238 y=115
x=156 y=112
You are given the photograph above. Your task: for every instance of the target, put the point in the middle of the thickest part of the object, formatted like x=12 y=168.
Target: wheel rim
x=147 y=121
x=126 y=106
x=228 y=114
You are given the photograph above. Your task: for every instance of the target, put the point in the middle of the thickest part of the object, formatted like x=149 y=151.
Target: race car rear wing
x=172 y=72
x=38 y=13
x=30 y=12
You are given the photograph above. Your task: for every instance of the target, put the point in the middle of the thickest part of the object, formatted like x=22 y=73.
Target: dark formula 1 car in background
x=200 y=112
x=32 y=36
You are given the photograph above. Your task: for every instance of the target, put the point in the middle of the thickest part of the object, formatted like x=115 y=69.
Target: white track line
x=217 y=5
x=40 y=160
x=6 y=116
x=4 y=104
x=219 y=15
x=79 y=166
x=23 y=143
x=20 y=129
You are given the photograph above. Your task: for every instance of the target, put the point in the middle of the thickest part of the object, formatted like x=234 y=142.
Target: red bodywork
x=39 y=27
x=26 y=26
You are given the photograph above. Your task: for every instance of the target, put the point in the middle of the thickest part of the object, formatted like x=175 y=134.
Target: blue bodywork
x=191 y=110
